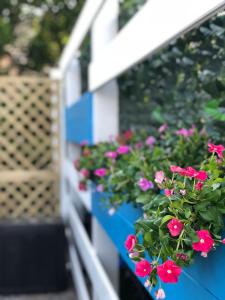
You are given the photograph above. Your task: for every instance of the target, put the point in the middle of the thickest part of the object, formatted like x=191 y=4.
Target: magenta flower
x=169 y=272
x=175 y=227
x=159 y=177
x=145 y=184
x=205 y=242
x=111 y=154
x=143 y=268
x=168 y=193
x=130 y=242
x=199 y=186
x=123 y=149
x=100 y=172
x=218 y=149
x=150 y=141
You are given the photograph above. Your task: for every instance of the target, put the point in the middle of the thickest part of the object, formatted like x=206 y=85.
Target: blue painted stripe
x=120 y=225
x=78 y=119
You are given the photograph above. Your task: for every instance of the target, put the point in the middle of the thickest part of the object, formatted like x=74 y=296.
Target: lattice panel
x=26 y=123
x=29 y=151
x=31 y=199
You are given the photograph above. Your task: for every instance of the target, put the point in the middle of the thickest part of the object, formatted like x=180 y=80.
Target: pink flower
x=205 y=242
x=168 y=192
x=175 y=169
x=150 y=141
x=169 y=272
x=160 y=294
x=123 y=149
x=199 y=186
x=223 y=241
x=175 y=227
x=100 y=188
x=159 y=177
x=216 y=149
x=111 y=154
x=162 y=128
x=82 y=186
x=145 y=184
x=130 y=242
x=100 y=172
x=128 y=135
x=85 y=173
x=185 y=132
x=201 y=175
x=143 y=268
x=190 y=172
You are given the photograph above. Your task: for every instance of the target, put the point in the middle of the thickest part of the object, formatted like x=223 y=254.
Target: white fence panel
x=154 y=26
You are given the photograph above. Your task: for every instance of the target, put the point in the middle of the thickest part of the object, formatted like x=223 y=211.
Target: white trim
x=153 y=27
x=98 y=276
x=79 y=32
x=72 y=176
x=78 y=278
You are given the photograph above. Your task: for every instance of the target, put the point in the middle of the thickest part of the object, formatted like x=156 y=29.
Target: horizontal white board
x=154 y=26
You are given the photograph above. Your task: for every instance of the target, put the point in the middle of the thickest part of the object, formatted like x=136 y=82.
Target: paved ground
x=60 y=296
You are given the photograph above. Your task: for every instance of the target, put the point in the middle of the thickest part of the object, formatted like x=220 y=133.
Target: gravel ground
x=59 y=296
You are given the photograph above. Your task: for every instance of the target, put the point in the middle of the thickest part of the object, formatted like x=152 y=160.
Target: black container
x=32 y=258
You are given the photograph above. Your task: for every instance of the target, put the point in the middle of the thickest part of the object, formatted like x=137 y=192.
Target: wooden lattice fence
x=28 y=147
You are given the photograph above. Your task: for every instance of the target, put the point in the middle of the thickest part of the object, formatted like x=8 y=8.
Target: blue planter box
x=203 y=280
x=78 y=119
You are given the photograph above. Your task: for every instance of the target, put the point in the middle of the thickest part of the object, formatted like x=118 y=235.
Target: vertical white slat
x=105 y=124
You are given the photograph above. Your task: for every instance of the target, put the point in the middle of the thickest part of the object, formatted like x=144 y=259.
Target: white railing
x=154 y=26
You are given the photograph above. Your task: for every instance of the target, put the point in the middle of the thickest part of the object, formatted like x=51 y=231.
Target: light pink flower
x=111 y=211
x=160 y=294
x=159 y=177
x=168 y=192
x=163 y=128
x=150 y=141
x=145 y=184
x=123 y=149
x=111 y=154
x=204 y=254
x=183 y=192
x=223 y=241
x=85 y=173
x=185 y=132
x=100 y=188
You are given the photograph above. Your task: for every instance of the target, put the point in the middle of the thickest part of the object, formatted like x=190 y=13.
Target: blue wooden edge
x=78 y=119
x=203 y=280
